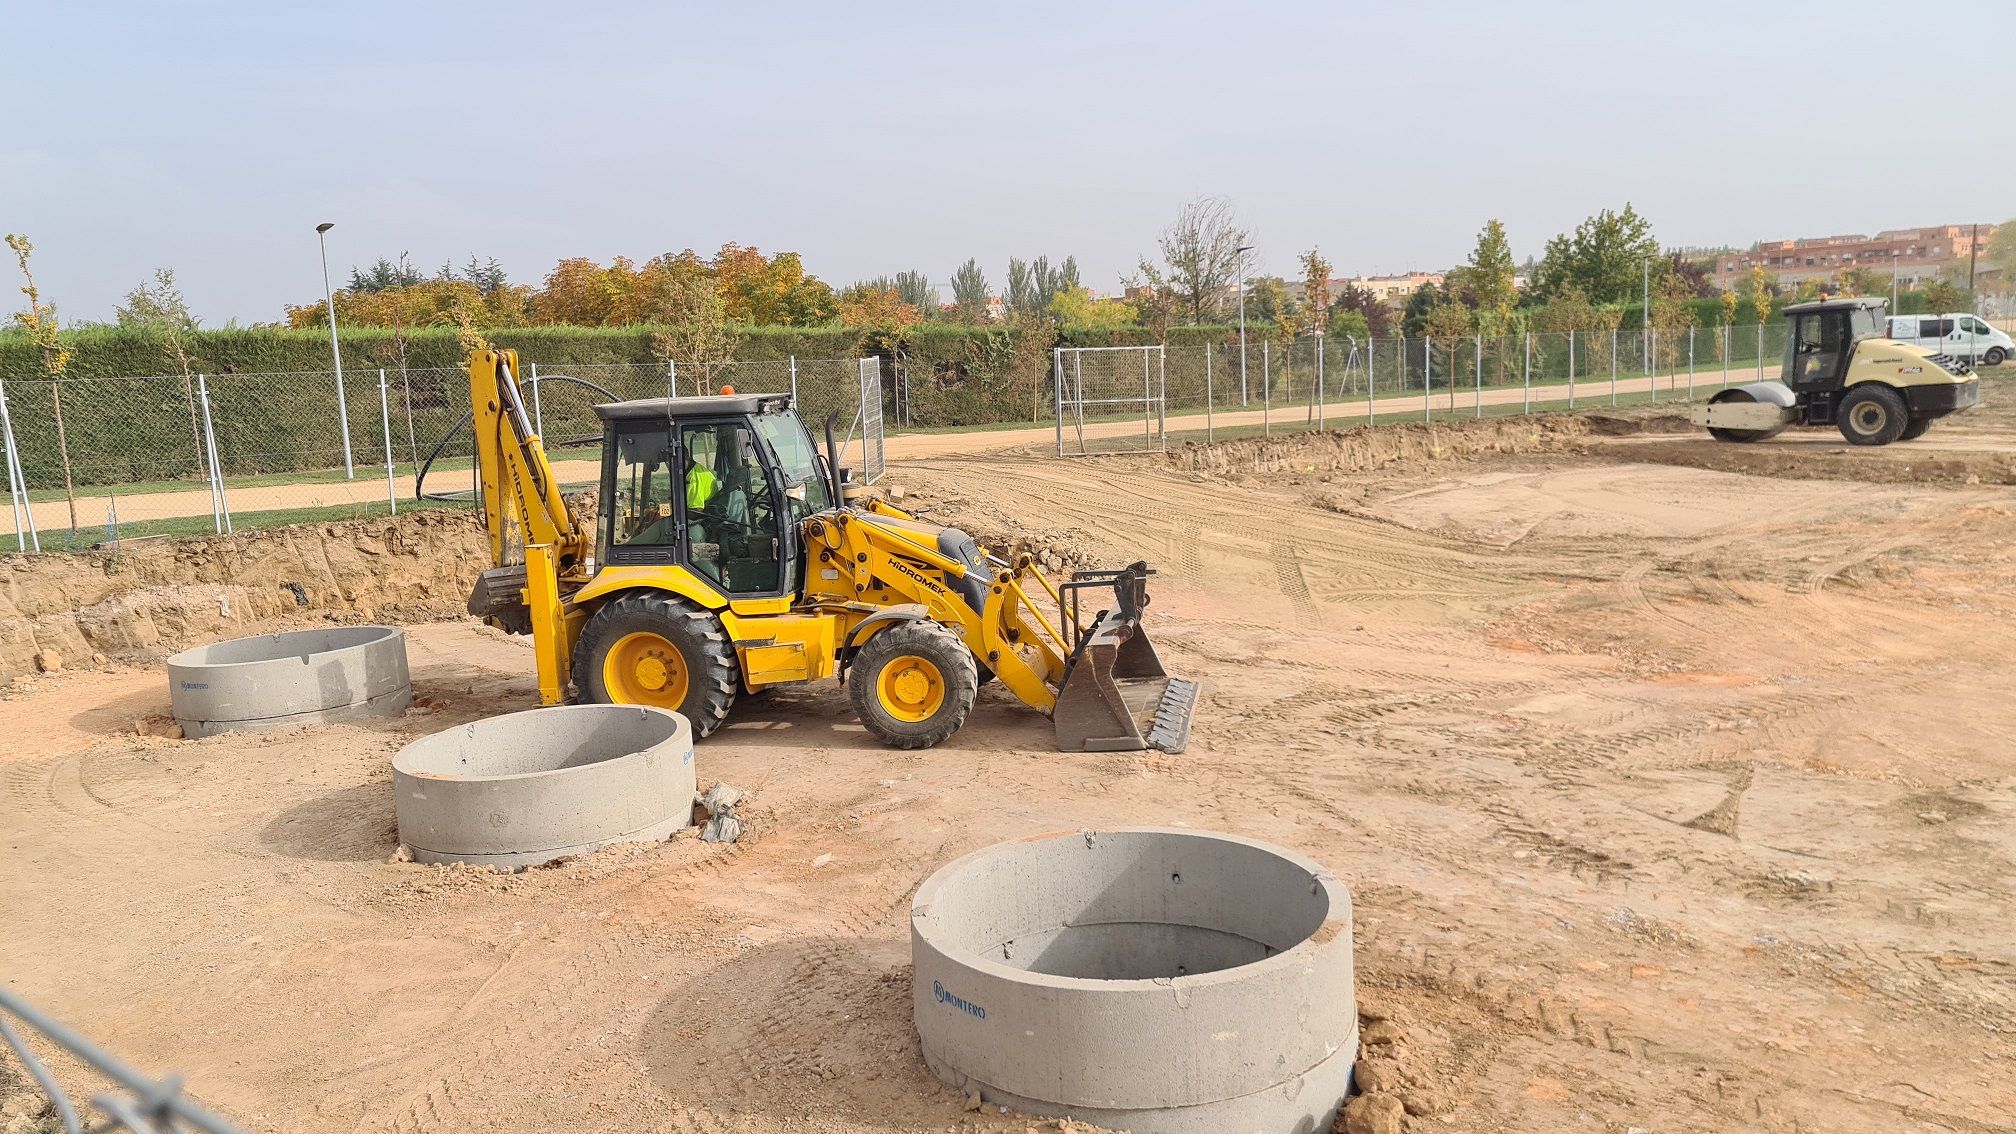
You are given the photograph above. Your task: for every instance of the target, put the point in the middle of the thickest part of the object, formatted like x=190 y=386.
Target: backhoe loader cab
x=724 y=559
x=1841 y=369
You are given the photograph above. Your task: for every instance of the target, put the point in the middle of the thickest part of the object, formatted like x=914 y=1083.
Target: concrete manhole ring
x=527 y=788
x=273 y=681
x=1156 y=980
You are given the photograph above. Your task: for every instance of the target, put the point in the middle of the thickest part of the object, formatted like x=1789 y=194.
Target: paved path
x=53 y=515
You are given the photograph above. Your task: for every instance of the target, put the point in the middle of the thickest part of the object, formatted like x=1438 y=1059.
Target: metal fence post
x=532 y=372
x=1652 y=362
x=1526 y=384
x=17 y=483
x=1266 y=387
x=1147 y=395
x=1571 y=368
x=1319 y=381
x=216 y=466
x=385 y=415
x=1057 y=366
x=1480 y=375
x=1725 y=356
x=1760 y=352
x=1208 y=434
x=1690 y=364
x=1613 y=366
x=671 y=378
x=1371 y=357
x=1162 y=395
x=793 y=360
x=1427 y=378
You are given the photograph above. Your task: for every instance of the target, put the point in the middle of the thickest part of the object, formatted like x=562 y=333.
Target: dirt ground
x=1672 y=798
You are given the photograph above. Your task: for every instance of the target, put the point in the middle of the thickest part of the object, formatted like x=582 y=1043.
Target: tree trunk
x=63 y=449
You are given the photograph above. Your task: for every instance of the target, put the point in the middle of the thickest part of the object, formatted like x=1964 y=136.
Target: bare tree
x=1200 y=253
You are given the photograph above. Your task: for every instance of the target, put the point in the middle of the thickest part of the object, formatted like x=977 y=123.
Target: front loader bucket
x=1116 y=695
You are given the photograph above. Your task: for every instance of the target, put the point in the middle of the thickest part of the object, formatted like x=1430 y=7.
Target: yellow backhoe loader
x=727 y=556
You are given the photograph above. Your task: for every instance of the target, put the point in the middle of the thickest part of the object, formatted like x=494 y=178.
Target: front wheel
x=1996 y=356
x=1872 y=415
x=913 y=684
x=654 y=648
x=1916 y=429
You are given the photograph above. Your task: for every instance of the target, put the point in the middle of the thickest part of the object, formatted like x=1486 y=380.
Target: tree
x=1686 y=279
x=1200 y=254
x=1021 y=288
x=1603 y=258
x=915 y=289
x=1425 y=299
x=1075 y=307
x=1759 y=286
x=1156 y=309
x=1864 y=281
x=385 y=274
x=2000 y=255
x=1943 y=295
x=158 y=306
x=1315 y=291
x=1373 y=311
x=1268 y=301
x=871 y=307
x=488 y=276
x=969 y=292
x=39 y=321
x=697 y=331
x=1487 y=279
x=1349 y=323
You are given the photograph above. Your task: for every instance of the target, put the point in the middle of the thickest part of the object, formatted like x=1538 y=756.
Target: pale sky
x=211 y=137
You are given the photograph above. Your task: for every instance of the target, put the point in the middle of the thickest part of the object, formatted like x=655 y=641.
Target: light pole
x=335 y=348
x=1645 y=316
x=1241 y=253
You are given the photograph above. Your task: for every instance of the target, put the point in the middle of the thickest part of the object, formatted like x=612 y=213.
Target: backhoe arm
x=522 y=505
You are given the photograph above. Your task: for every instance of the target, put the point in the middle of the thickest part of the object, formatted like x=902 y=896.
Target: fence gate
x=872 y=458
x=1110 y=400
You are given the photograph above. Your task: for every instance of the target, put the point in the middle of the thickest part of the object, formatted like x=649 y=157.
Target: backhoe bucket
x=1116 y=695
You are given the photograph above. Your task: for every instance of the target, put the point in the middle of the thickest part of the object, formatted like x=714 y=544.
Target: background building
x=1914 y=254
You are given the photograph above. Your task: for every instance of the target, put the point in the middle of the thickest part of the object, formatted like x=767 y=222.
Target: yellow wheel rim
x=645 y=669
x=910 y=688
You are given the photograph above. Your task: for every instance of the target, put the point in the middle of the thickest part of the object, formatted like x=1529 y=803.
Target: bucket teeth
x=1170 y=731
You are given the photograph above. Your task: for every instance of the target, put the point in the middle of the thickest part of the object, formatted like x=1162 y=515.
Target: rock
x=973 y=1101
x=19 y=1126
x=1422 y=1101
x=98 y=659
x=721 y=797
x=1379 y=1033
x=1376 y=1076
x=1375 y=1114
x=1370 y=1009
x=404 y=853
x=48 y=661
x=22 y=1106
x=172 y=731
x=723 y=828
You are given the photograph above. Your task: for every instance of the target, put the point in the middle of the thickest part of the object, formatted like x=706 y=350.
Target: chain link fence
x=138 y=458
x=104 y=461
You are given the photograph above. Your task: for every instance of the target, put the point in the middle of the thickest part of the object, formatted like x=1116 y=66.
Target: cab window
x=804 y=481
x=642 y=512
x=733 y=535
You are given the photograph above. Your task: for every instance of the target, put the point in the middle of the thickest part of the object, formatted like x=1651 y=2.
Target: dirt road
x=371 y=487
x=1671 y=799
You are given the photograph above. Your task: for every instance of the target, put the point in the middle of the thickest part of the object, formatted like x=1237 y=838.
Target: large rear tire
x=654 y=648
x=1916 y=429
x=1872 y=415
x=913 y=684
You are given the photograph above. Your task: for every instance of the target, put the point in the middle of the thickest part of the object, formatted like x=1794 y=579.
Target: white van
x=1958 y=333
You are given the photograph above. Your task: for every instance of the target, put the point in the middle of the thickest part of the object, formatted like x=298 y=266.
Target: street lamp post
x=335 y=348
x=1241 y=253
